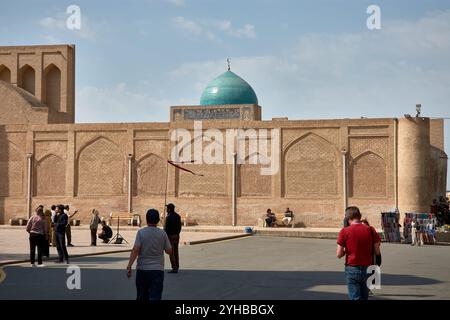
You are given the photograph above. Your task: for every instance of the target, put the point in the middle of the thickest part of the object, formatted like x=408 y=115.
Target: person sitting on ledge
x=288 y=216
x=270 y=218
x=106 y=233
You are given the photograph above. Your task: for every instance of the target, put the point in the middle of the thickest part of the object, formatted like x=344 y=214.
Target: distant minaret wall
x=414 y=194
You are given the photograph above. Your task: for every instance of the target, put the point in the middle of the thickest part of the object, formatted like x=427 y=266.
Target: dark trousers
x=149 y=284
x=46 y=248
x=61 y=246
x=94 y=236
x=104 y=237
x=174 y=258
x=36 y=240
x=69 y=234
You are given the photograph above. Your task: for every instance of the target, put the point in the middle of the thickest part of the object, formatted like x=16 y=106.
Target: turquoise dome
x=228 y=88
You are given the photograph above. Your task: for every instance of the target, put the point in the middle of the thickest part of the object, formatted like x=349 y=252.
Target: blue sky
x=305 y=59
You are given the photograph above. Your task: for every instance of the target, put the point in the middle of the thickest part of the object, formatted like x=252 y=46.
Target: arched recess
x=27 y=78
x=149 y=176
x=251 y=182
x=214 y=180
x=50 y=176
x=11 y=171
x=5 y=73
x=367 y=176
x=100 y=168
x=52 y=87
x=310 y=167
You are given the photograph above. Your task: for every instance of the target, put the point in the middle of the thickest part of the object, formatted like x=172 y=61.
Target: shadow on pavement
x=50 y=283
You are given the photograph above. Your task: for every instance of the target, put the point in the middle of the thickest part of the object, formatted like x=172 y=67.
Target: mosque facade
x=323 y=165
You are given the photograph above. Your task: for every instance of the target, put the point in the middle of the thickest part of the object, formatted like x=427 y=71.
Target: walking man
x=173 y=229
x=61 y=219
x=357 y=243
x=149 y=247
x=93 y=225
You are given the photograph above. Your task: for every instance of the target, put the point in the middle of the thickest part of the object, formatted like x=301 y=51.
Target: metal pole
x=395 y=163
x=233 y=191
x=344 y=178
x=165 y=189
x=130 y=183
x=29 y=158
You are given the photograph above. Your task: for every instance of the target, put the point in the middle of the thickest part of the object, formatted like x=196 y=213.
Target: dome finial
x=229 y=62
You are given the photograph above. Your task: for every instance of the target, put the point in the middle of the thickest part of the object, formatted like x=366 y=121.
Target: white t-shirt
x=152 y=242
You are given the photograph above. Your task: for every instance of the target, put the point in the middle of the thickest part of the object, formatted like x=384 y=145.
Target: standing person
x=357 y=243
x=106 y=233
x=37 y=228
x=288 y=216
x=53 y=210
x=68 y=227
x=93 y=226
x=60 y=231
x=173 y=228
x=149 y=247
x=48 y=236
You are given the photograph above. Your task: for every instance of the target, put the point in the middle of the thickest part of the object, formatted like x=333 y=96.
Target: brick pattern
x=11 y=170
x=212 y=183
x=368 y=176
x=378 y=145
x=329 y=134
x=311 y=167
x=101 y=169
x=50 y=176
x=252 y=183
x=44 y=148
x=149 y=176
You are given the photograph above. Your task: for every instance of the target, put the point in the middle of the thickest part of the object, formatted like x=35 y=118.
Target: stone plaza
x=255 y=267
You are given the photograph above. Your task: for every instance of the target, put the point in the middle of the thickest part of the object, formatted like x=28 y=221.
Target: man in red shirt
x=357 y=243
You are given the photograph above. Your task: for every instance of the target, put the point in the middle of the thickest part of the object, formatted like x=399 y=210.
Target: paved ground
x=14 y=242
x=256 y=267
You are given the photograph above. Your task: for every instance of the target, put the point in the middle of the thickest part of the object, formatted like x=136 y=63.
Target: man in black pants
x=106 y=233
x=60 y=231
x=173 y=229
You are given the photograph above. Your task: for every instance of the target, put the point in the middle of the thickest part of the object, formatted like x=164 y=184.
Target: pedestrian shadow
x=192 y=284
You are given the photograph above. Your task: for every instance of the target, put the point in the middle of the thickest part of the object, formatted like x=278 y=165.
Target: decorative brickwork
x=11 y=170
x=50 y=176
x=310 y=167
x=252 y=183
x=100 y=169
x=149 y=176
x=378 y=145
x=212 y=183
x=368 y=176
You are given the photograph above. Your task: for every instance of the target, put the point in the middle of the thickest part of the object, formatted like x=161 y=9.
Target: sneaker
x=70 y=245
x=33 y=265
x=41 y=265
x=67 y=262
x=173 y=271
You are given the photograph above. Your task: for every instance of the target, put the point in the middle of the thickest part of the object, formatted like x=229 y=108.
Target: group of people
x=105 y=234
x=50 y=227
x=271 y=218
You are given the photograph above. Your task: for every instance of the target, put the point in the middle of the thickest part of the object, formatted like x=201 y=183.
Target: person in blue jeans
x=149 y=247
x=358 y=243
